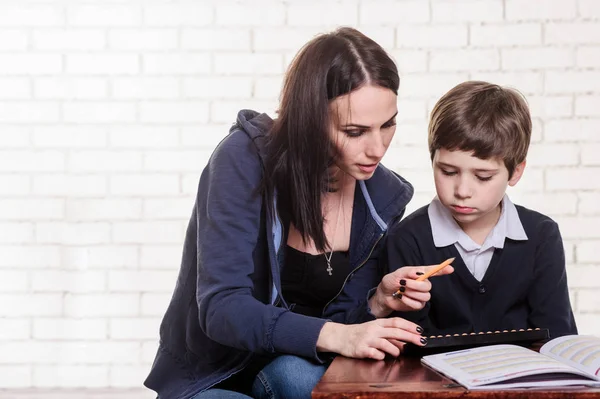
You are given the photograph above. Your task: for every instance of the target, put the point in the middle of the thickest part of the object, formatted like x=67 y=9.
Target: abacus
x=452 y=342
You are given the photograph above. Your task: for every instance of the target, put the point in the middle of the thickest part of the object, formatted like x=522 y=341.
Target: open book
x=563 y=361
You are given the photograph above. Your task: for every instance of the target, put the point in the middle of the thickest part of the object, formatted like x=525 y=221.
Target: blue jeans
x=220 y=394
x=287 y=377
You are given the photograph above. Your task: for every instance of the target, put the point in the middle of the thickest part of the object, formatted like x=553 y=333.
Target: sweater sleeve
x=549 y=296
x=228 y=221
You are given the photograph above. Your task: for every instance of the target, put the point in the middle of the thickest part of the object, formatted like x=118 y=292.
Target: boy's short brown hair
x=487 y=119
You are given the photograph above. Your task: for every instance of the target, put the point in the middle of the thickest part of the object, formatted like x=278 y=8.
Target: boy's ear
x=519 y=169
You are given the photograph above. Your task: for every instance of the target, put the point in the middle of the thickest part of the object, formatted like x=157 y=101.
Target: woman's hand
x=413 y=296
x=372 y=339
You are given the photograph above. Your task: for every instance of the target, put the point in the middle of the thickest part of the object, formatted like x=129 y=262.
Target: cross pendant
x=329 y=269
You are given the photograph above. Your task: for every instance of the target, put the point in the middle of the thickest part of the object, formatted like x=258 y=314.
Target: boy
x=510 y=264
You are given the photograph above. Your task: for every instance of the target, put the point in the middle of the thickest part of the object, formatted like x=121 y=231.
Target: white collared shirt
x=477 y=257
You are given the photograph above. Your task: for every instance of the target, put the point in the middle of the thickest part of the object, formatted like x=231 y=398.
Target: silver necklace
x=328 y=258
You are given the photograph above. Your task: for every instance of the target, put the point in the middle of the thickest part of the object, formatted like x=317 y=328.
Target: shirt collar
x=446 y=231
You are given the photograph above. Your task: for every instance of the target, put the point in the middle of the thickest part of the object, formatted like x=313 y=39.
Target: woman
x=286 y=211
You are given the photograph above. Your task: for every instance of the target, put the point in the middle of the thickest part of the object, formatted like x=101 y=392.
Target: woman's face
x=363 y=125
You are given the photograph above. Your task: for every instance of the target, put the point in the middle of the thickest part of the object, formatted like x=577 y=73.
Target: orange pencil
x=428 y=274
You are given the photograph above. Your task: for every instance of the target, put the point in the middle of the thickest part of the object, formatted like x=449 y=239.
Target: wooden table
x=407 y=378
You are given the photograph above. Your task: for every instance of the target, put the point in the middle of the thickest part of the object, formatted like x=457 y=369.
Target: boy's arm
x=549 y=296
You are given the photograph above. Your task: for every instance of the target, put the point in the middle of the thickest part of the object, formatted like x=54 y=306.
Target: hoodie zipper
x=352 y=272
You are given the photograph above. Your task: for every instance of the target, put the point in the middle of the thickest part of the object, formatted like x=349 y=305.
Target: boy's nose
x=462 y=189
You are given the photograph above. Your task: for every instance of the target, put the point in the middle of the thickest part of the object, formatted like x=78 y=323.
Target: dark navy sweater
x=525 y=285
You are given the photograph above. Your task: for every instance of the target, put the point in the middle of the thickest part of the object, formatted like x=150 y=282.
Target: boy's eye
x=448 y=173
x=354 y=133
x=486 y=178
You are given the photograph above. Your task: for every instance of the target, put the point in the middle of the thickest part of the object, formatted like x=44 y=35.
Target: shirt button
x=482 y=289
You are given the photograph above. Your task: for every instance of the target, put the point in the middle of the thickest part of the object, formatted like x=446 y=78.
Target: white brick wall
x=110 y=109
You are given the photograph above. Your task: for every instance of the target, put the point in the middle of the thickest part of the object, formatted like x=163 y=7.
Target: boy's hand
x=413 y=296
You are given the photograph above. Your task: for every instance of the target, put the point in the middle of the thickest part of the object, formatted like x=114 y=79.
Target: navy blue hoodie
x=222 y=311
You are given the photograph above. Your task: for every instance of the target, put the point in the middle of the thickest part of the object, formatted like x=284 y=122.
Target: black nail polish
x=402 y=282
x=420 y=329
x=398 y=296
x=424 y=341
x=402 y=289
x=420 y=273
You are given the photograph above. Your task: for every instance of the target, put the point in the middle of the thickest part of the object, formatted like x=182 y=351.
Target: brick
x=68 y=281
x=149 y=351
x=13 y=39
x=255 y=64
x=15 y=88
x=72 y=233
x=429 y=84
x=589 y=9
x=589 y=300
x=537 y=58
x=569 y=247
x=154 y=304
x=587 y=56
x=30 y=305
x=30 y=64
x=276 y=39
x=147 y=232
x=145 y=88
x=425 y=36
x=540 y=10
x=531 y=181
x=572 y=81
x=134 y=329
x=393 y=12
x=579 y=277
x=127 y=376
x=218 y=87
x=465 y=60
x=553 y=155
x=70 y=88
x=68 y=353
x=103 y=209
x=69 y=185
x=409 y=61
x=548 y=203
x=179 y=14
x=143 y=39
x=587 y=251
x=30 y=256
x=573 y=179
x=161 y=256
x=175 y=160
x=165 y=209
x=528 y=83
x=105 y=64
x=571 y=33
x=577 y=227
x=205 y=136
x=13 y=281
x=467 y=11
x=29 y=209
x=142 y=281
x=411 y=133
x=99 y=112
x=104 y=15
x=330 y=14
x=572 y=130
x=587 y=105
x=14 y=329
x=16 y=232
x=223 y=111
x=407 y=157
x=104 y=161
x=15 y=136
x=587 y=324
x=101 y=305
x=384 y=35
x=136 y=137
x=506 y=35
x=146 y=184
x=589 y=203
x=263 y=13
x=100 y=257
x=547 y=106
x=410 y=110
x=13 y=376
x=31 y=15
x=75 y=376
x=536 y=130
x=169 y=112
x=69 y=39
x=69 y=329
x=28 y=112
x=69 y=136
x=189 y=183
x=224 y=39
x=589 y=154
x=178 y=64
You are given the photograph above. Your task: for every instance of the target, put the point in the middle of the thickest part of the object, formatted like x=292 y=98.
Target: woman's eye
x=354 y=133
x=389 y=125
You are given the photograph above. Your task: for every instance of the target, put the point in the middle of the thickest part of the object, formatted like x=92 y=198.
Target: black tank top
x=305 y=283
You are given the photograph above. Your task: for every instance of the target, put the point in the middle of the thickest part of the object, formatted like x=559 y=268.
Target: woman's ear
x=518 y=172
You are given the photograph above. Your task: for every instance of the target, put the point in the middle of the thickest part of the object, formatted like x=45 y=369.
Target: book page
x=580 y=351
x=496 y=363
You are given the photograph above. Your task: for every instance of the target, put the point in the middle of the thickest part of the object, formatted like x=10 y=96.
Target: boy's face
x=472 y=188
